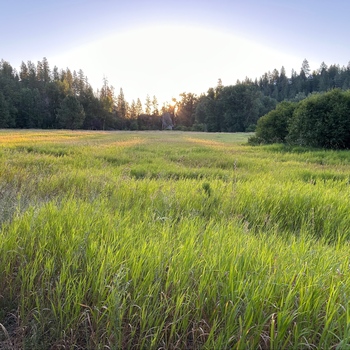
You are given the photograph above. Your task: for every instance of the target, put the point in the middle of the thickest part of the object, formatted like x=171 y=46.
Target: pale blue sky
x=164 y=47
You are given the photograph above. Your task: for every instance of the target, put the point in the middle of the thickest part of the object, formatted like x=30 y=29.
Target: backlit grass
x=171 y=240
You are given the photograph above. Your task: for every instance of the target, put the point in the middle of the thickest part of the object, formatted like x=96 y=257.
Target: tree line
x=237 y=108
x=40 y=97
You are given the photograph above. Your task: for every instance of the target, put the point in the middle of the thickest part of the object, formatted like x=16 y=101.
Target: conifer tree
x=46 y=73
x=4 y=112
x=155 y=110
x=133 y=113
x=148 y=105
x=24 y=74
x=32 y=74
x=121 y=105
x=71 y=114
x=139 y=108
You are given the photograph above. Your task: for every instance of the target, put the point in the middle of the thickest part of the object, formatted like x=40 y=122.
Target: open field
x=171 y=240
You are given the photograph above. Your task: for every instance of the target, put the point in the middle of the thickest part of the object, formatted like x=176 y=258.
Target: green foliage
x=199 y=127
x=185 y=109
x=232 y=108
x=273 y=127
x=241 y=105
x=4 y=112
x=206 y=113
x=149 y=122
x=255 y=140
x=322 y=120
x=30 y=112
x=266 y=104
x=299 y=97
x=182 y=128
x=251 y=128
x=71 y=114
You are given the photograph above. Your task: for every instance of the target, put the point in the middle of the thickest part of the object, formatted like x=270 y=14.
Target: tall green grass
x=171 y=241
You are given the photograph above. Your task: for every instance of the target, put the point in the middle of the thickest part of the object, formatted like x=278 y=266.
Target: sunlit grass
x=209 y=143
x=171 y=240
x=16 y=137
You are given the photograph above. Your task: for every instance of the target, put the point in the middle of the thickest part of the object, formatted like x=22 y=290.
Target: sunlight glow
x=166 y=60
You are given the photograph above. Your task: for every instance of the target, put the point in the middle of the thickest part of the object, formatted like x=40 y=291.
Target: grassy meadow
x=171 y=240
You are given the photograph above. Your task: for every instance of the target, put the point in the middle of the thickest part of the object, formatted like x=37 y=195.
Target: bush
x=322 y=120
x=199 y=127
x=182 y=128
x=273 y=126
x=255 y=141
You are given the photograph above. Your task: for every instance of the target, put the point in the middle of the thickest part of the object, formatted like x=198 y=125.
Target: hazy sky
x=165 y=47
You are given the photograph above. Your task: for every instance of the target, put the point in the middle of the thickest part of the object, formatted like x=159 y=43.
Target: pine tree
x=148 y=105
x=69 y=79
x=30 y=109
x=71 y=114
x=133 y=113
x=24 y=74
x=107 y=96
x=155 y=110
x=139 y=108
x=55 y=74
x=75 y=84
x=219 y=87
x=121 y=105
x=305 y=68
x=46 y=74
x=282 y=85
x=107 y=100
x=81 y=83
x=32 y=74
x=39 y=71
x=4 y=112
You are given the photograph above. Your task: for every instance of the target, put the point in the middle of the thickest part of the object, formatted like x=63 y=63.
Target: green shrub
x=322 y=120
x=182 y=128
x=273 y=126
x=199 y=127
x=255 y=140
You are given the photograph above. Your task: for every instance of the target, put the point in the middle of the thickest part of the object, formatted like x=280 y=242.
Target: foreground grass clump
x=171 y=240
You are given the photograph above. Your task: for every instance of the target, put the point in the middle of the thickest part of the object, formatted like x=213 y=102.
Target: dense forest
x=40 y=97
